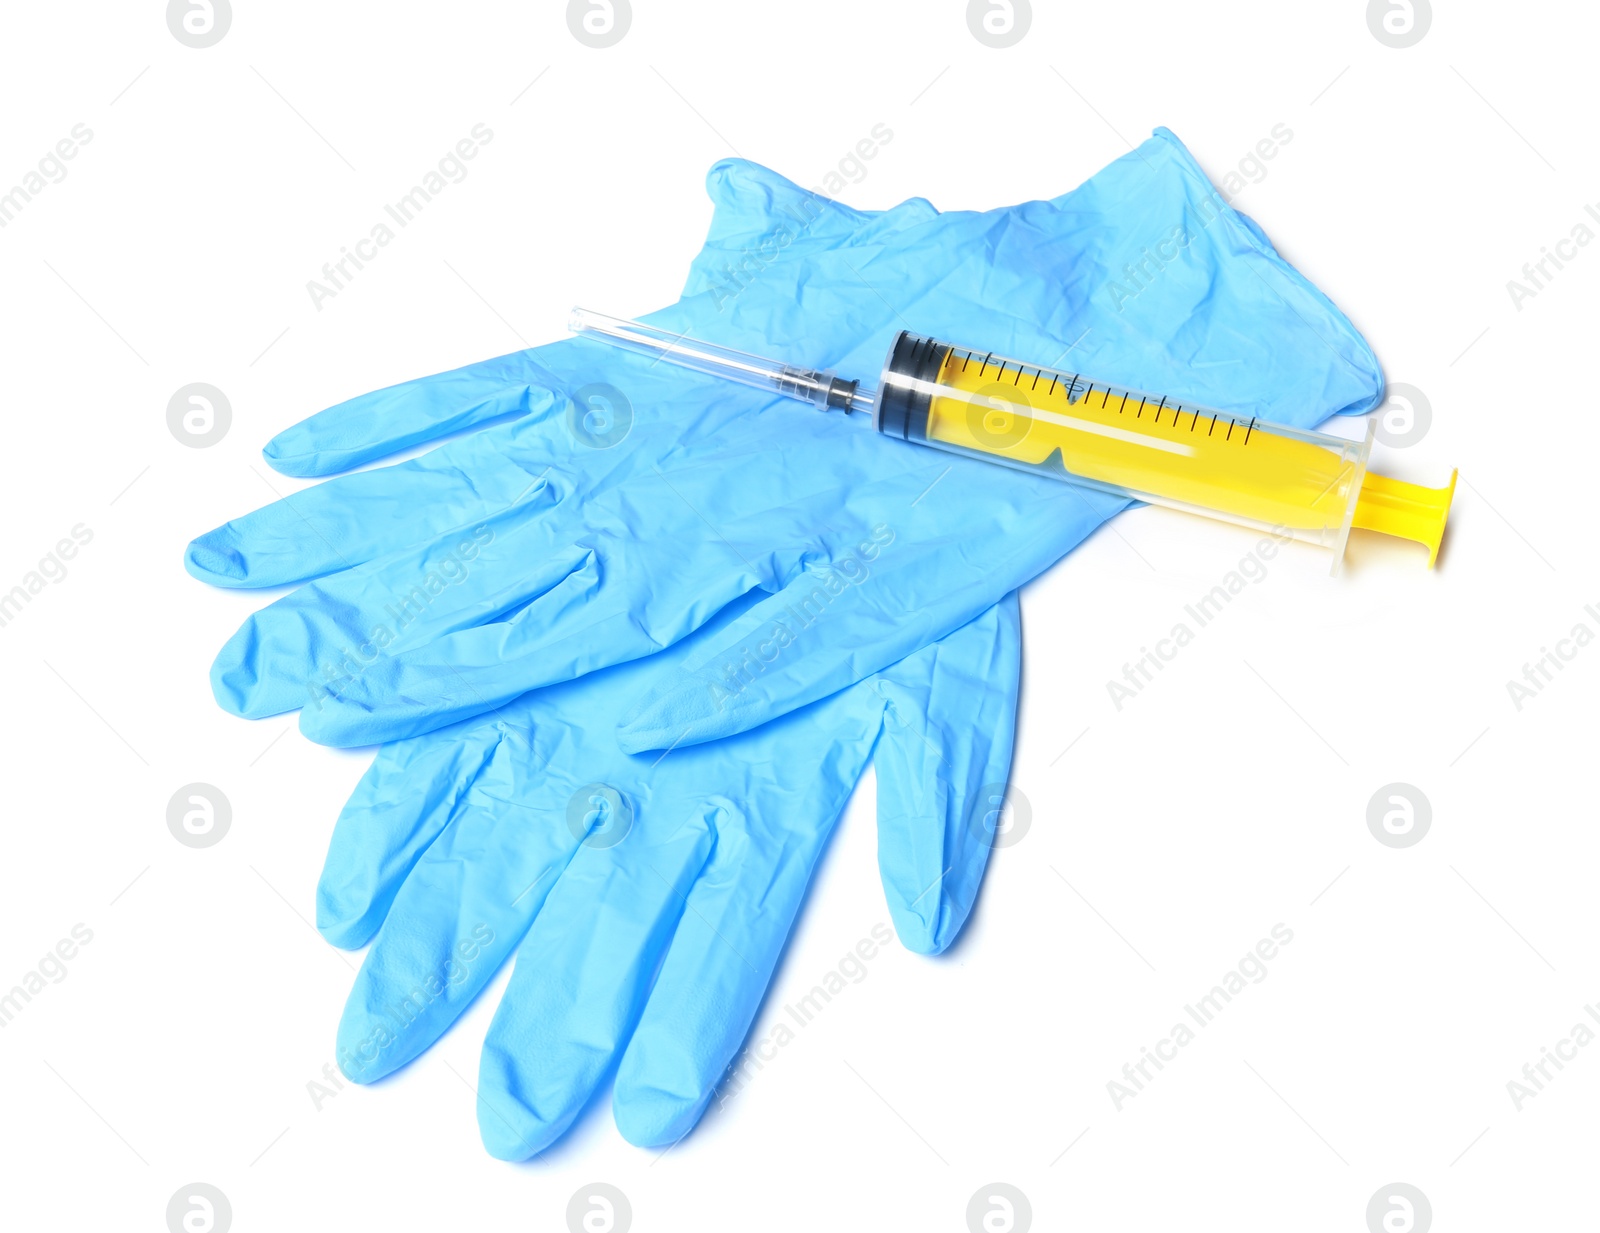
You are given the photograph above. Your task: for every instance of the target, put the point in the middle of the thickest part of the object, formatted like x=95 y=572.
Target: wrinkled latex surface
x=647 y=898
x=521 y=557
x=458 y=837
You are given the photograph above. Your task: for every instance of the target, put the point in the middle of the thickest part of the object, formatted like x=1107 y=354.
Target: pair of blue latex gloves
x=629 y=558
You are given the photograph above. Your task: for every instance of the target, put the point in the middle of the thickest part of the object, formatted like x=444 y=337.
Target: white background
x=1171 y=835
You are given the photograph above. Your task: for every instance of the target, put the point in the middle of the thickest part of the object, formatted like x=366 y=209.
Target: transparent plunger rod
x=819 y=388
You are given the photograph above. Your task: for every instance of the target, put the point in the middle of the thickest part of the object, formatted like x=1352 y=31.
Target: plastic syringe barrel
x=1270 y=477
x=822 y=389
x=1288 y=482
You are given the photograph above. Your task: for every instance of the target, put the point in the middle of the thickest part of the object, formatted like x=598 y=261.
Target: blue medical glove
x=1143 y=274
x=503 y=517
x=648 y=899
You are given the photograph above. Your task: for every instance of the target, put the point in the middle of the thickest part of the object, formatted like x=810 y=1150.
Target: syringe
x=1131 y=443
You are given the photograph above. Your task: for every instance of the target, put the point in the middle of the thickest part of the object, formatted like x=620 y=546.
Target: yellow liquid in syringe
x=1223 y=465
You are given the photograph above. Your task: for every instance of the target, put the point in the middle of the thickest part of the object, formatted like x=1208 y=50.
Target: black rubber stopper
x=904 y=412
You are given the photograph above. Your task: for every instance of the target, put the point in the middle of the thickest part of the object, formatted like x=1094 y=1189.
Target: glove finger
x=337 y=629
x=456 y=917
x=352 y=519
x=740 y=911
x=374 y=425
x=759 y=218
x=357 y=518
x=719 y=964
x=710 y=987
x=599 y=603
x=410 y=793
x=581 y=978
x=942 y=763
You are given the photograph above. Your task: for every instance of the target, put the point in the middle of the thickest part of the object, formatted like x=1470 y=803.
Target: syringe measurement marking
x=1105 y=398
x=1177 y=414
